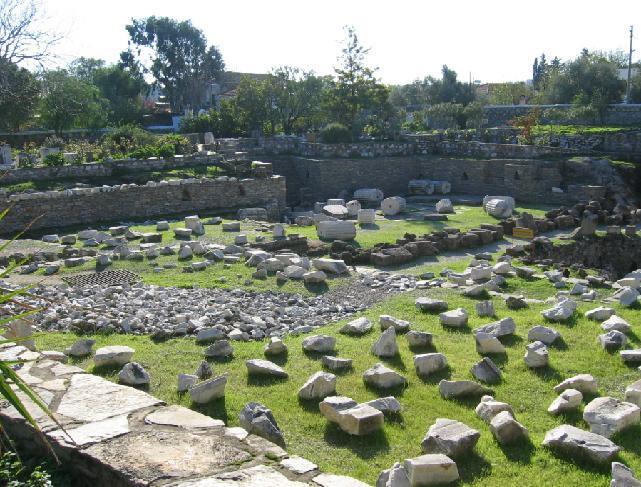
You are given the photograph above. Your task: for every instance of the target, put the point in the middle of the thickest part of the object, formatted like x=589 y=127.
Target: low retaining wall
x=106 y=168
x=299 y=146
x=127 y=202
x=621 y=114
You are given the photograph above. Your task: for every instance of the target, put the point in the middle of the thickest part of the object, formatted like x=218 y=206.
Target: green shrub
x=180 y=144
x=14 y=474
x=54 y=160
x=334 y=133
x=53 y=141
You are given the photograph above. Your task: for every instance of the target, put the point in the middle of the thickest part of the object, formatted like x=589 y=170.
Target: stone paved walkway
x=116 y=436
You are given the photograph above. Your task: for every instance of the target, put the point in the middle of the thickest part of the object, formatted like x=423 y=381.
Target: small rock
x=264 y=368
x=429 y=363
x=386 y=346
x=259 y=420
x=133 y=374
x=449 y=437
x=506 y=429
x=382 y=377
x=536 y=355
x=568 y=400
x=357 y=327
x=318 y=386
x=486 y=371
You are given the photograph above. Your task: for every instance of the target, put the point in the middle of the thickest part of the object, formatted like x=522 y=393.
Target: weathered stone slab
x=93 y=432
x=90 y=398
x=182 y=417
x=575 y=442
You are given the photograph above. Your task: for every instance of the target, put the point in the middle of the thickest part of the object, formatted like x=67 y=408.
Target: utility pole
x=627 y=90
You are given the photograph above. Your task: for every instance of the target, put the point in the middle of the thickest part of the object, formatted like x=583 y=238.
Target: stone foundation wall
x=106 y=168
x=527 y=180
x=299 y=146
x=88 y=206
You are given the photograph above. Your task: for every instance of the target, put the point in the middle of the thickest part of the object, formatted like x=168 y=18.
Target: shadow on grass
x=280 y=359
x=559 y=344
x=215 y=409
x=369 y=226
x=519 y=451
x=511 y=340
x=319 y=355
x=498 y=358
x=436 y=377
x=309 y=405
x=473 y=466
x=317 y=288
x=419 y=349
x=547 y=373
x=264 y=380
x=629 y=439
x=471 y=400
x=395 y=362
x=573 y=417
x=396 y=391
x=365 y=447
x=219 y=360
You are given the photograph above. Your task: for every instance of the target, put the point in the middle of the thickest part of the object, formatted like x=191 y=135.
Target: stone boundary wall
x=293 y=145
x=106 y=168
x=497 y=115
x=528 y=180
x=127 y=202
x=120 y=436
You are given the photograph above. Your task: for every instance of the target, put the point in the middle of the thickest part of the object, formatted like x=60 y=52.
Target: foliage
x=225 y=122
x=54 y=160
x=415 y=122
x=54 y=141
x=180 y=144
x=527 y=123
x=432 y=91
x=473 y=114
x=334 y=133
x=177 y=56
x=445 y=115
x=19 y=92
x=509 y=93
x=252 y=102
x=14 y=474
x=70 y=102
x=355 y=88
x=542 y=129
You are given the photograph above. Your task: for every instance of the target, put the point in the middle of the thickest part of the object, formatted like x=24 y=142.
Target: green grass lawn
x=308 y=434
x=554 y=129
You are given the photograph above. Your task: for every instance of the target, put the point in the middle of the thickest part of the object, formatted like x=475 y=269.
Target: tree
x=590 y=79
x=19 y=91
x=23 y=37
x=254 y=109
x=508 y=93
x=539 y=72
x=355 y=87
x=294 y=95
x=177 y=56
x=69 y=102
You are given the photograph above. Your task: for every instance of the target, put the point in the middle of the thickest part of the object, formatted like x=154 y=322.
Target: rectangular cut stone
x=90 y=398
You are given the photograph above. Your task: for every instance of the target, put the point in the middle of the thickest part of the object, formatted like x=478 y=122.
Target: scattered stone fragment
x=336 y=363
x=486 y=343
x=506 y=429
x=259 y=420
x=207 y=335
x=623 y=476
x=298 y=465
x=633 y=393
x=266 y=368
x=461 y=388
x=360 y=420
x=55 y=356
x=503 y=327
x=489 y=407
x=631 y=355
x=543 y=334
x=186 y=381
x=455 y=318
x=333 y=266
x=113 y=355
x=419 y=338
x=331 y=406
x=626 y=296
x=486 y=371
x=204 y=370
x=562 y=311
x=208 y=390
x=386 y=345
x=515 y=302
x=568 y=400
x=599 y=314
x=133 y=374
x=431 y=469
x=318 y=386
x=401 y=326
x=382 y=377
x=536 y=355
x=617 y=323
x=393 y=477
x=220 y=349
x=577 y=443
x=485 y=308
x=81 y=348
x=607 y=415
x=431 y=305
x=449 y=437
x=612 y=340
x=584 y=383
x=275 y=347
x=429 y=363
x=386 y=405
x=319 y=343
x=357 y=327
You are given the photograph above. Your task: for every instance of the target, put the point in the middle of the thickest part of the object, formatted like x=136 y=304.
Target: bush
x=14 y=474
x=334 y=133
x=54 y=160
x=54 y=141
x=180 y=144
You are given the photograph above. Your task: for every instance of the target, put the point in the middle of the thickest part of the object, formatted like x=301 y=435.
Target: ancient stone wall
x=127 y=202
x=299 y=146
x=106 y=168
x=528 y=180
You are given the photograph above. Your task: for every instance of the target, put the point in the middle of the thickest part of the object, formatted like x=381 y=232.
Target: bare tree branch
x=23 y=35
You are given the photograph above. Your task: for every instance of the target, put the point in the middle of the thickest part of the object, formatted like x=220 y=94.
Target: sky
x=489 y=40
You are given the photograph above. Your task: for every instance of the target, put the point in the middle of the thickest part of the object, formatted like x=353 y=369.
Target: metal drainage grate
x=104 y=278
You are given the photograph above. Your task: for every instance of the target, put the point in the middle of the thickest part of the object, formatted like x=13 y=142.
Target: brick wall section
x=131 y=202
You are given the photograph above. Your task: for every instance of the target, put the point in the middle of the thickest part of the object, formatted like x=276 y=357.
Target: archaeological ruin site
x=338 y=294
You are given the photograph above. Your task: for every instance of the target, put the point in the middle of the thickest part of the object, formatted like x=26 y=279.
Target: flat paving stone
x=182 y=417
x=90 y=398
x=328 y=480
x=298 y=465
x=93 y=432
x=259 y=476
